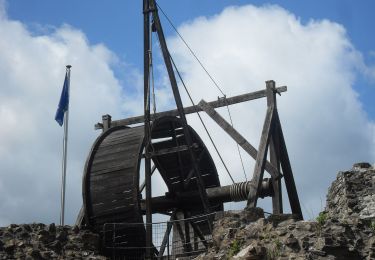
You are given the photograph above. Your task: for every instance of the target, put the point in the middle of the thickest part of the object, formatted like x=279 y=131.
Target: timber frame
x=272 y=141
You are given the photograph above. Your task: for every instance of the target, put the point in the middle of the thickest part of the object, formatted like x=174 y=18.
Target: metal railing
x=180 y=238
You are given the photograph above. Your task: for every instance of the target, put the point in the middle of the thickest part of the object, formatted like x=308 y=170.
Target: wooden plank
x=277 y=202
x=169 y=150
x=193 y=109
x=288 y=174
x=257 y=179
x=166 y=236
x=237 y=137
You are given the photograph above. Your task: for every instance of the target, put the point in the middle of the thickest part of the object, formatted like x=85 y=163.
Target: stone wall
x=40 y=241
x=352 y=194
x=345 y=231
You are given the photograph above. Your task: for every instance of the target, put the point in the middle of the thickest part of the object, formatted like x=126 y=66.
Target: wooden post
x=106 y=119
x=288 y=174
x=177 y=97
x=146 y=77
x=277 y=202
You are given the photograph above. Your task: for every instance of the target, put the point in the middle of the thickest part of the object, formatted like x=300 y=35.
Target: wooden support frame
x=180 y=109
x=272 y=141
x=221 y=102
x=272 y=136
x=237 y=137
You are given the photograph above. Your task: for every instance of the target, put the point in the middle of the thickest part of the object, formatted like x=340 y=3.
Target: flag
x=64 y=102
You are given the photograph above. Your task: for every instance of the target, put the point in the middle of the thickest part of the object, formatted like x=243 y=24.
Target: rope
x=191 y=51
x=200 y=118
x=238 y=146
x=212 y=79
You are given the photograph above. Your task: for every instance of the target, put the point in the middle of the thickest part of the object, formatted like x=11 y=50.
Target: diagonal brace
x=237 y=137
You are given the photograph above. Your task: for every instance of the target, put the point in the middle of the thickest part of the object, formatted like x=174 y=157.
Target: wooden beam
x=237 y=137
x=180 y=108
x=165 y=241
x=277 y=200
x=287 y=171
x=169 y=150
x=221 y=102
x=261 y=159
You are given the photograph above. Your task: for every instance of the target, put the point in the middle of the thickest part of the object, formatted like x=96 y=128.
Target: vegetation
x=275 y=251
x=322 y=218
x=235 y=247
x=373 y=226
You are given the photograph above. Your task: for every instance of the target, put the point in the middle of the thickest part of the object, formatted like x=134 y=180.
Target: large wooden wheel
x=111 y=182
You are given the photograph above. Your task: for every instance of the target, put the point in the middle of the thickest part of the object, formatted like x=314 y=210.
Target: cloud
x=325 y=125
x=32 y=71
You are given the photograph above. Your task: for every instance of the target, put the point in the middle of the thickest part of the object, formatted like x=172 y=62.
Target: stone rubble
x=345 y=230
x=40 y=241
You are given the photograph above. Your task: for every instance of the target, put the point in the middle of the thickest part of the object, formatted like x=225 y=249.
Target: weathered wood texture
x=288 y=173
x=237 y=137
x=111 y=177
x=261 y=158
x=274 y=147
x=193 y=109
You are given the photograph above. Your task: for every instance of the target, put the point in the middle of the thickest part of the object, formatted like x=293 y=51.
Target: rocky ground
x=345 y=230
x=40 y=241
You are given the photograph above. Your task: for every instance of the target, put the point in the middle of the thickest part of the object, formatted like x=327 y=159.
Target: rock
x=62 y=236
x=275 y=219
x=90 y=240
x=9 y=246
x=52 y=228
x=39 y=242
x=362 y=165
x=345 y=231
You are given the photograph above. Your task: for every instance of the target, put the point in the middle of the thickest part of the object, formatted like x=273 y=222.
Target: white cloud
x=325 y=126
x=32 y=71
x=324 y=123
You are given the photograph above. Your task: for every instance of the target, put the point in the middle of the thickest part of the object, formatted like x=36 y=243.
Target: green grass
x=235 y=247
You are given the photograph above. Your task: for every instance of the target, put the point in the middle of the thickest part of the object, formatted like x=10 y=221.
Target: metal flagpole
x=65 y=146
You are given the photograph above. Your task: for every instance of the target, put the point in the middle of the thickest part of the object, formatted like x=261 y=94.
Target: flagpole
x=65 y=147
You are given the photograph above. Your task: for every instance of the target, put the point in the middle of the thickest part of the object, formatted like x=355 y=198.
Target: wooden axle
x=221 y=102
x=184 y=200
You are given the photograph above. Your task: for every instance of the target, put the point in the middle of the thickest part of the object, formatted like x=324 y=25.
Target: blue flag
x=64 y=102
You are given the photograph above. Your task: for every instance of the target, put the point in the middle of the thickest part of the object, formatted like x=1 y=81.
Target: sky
x=324 y=51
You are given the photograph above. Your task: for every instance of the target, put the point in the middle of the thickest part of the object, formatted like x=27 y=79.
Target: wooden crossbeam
x=193 y=109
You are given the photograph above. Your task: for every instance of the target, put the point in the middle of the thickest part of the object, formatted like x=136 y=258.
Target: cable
x=208 y=74
x=238 y=146
x=200 y=118
x=191 y=51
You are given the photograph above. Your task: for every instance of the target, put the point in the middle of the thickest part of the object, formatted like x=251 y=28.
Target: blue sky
x=324 y=51
x=118 y=24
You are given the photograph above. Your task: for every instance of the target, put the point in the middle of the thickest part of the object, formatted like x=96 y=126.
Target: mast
x=150 y=7
x=180 y=108
x=146 y=68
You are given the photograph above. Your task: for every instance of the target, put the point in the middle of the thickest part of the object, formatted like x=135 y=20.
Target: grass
x=235 y=247
x=322 y=218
